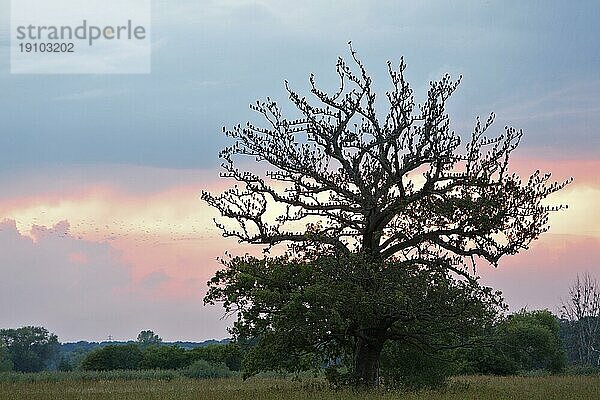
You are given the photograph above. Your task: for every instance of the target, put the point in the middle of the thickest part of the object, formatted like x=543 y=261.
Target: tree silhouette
x=582 y=312
x=343 y=177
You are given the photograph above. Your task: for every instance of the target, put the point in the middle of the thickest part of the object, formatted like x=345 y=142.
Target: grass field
x=480 y=388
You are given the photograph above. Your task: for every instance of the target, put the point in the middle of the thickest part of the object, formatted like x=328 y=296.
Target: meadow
x=136 y=386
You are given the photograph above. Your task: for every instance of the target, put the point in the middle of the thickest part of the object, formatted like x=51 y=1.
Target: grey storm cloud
x=246 y=49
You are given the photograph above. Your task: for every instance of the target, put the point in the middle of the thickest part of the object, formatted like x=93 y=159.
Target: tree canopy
x=401 y=186
x=29 y=348
x=148 y=338
x=113 y=357
x=307 y=314
x=524 y=341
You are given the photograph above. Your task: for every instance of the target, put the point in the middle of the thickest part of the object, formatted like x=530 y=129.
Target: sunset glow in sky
x=102 y=231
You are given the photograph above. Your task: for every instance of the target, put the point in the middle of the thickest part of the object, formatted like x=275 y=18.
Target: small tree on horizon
x=148 y=338
x=398 y=190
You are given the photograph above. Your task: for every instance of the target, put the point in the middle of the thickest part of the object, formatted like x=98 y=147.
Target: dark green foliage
x=485 y=359
x=568 y=334
x=5 y=361
x=75 y=356
x=582 y=320
x=76 y=352
x=274 y=353
x=230 y=354
x=89 y=346
x=525 y=341
x=532 y=339
x=202 y=369
x=31 y=349
x=307 y=314
x=112 y=358
x=148 y=338
x=164 y=357
x=82 y=346
x=131 y=356
x=64 y=365
x=405 y=366
x=193 y=345
x=582 y=370
x=580 y=342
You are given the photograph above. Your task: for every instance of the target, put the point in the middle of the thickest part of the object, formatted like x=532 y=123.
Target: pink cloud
x=44 y=283
x=540 y=277
x=78 y=258
x=584 y=171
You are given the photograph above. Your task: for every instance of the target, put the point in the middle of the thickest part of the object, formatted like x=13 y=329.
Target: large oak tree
x=394 y=186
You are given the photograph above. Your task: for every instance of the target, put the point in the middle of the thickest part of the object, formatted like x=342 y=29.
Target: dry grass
x=480 y=388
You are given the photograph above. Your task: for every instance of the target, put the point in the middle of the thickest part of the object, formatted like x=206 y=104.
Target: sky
x=102 y=231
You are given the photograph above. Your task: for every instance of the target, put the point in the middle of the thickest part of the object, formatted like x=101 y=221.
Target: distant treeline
x=226 y=357
x=524 y=341
x=34 y=349
x=73 y=354
x=86 y=346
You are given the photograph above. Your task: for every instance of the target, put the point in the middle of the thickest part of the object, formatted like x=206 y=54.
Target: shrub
x=582 y=370
x=525 y=341
x=164 y=357
x=113 y=357
x=407 y=367
x=64 y=365
x=202 y=369
x=229 y=354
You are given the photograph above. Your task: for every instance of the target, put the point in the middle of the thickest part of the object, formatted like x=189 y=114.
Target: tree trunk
x=366 y=363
